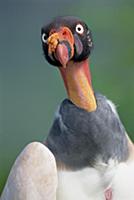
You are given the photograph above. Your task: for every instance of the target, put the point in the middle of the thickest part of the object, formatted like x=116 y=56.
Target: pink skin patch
x=108 y=194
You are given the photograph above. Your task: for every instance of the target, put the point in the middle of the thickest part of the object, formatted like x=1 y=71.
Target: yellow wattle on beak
x=61 y=44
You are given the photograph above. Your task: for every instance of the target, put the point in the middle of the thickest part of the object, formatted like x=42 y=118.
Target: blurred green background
x=30 y=89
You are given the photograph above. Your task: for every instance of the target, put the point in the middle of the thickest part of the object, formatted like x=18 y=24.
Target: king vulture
x=93 y=153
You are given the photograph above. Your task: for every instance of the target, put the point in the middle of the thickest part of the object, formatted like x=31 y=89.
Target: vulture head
x=67 y=43
x=65 y=39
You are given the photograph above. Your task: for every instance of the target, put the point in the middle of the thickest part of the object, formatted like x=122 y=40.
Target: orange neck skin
x=77 y=80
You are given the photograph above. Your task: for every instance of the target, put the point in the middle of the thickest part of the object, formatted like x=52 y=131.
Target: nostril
x=64 y=33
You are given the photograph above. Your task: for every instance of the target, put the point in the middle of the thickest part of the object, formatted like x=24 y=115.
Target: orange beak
x=61 y=45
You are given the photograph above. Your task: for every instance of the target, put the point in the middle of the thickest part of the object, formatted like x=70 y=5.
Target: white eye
x=79 y=29
x=44 y=37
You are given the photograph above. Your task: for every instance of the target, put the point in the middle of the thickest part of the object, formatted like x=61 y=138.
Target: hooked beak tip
x=62 y=54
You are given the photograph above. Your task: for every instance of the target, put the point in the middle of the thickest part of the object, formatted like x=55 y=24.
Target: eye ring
x=44 y=38
x=79 y=29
